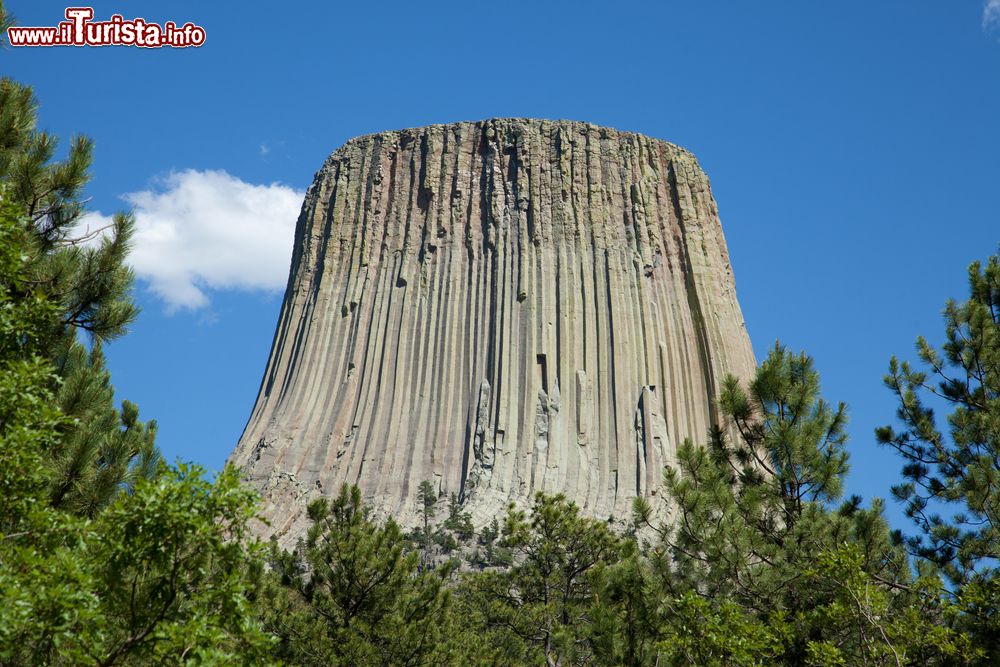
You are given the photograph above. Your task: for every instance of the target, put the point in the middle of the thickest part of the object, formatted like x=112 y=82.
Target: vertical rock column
x=500 y=307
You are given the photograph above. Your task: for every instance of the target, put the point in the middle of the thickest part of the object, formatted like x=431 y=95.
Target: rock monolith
x=499 y=307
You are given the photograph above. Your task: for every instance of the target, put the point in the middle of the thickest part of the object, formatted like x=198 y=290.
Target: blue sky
x=852 y=146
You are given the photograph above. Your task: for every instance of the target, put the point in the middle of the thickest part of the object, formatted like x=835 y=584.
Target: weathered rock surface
x=499 y=307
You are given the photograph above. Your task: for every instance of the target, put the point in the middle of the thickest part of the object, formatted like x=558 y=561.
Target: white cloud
x=199 y=231
x=264 y=149
x=991 y=14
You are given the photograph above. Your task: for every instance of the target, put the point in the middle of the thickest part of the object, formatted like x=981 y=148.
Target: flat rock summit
x=500 y=307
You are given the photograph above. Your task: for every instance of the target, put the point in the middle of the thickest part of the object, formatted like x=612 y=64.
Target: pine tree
x=84 y=274
x=952 y=471
x=426 y=499
x=754 y=518
x=353 y=595
x=958 y=468
x=105 y=451
x=538 y=611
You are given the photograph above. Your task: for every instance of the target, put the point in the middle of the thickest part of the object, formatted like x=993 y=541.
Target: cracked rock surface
x=500 y=307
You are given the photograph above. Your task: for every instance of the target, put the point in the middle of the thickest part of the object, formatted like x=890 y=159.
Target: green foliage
x=83 y=276
x=955 y=473
x=426 y=498
x=489 y=552
x=756 y=524
x=791 y=440
x=103 y=451
x=82 y=271
x=952 y=477
x=39 y=576
x=975 y=613
x=28 y=418
x=353 y=595
x=163 y=574
x=624 y=620
x=702 y=634
x=459 y=522
x=538 y=610
x=752 y=515
x=175 y=568
x=867 y=622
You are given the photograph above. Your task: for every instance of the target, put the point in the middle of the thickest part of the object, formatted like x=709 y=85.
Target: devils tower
x=499 y=307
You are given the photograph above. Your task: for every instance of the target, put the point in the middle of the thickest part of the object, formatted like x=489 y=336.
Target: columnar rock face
x=500 y=307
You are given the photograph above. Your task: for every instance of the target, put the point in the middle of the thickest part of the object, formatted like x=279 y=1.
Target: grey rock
x=500 y=307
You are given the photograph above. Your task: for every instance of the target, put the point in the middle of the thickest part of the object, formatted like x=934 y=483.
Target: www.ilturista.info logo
x=80 y=30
